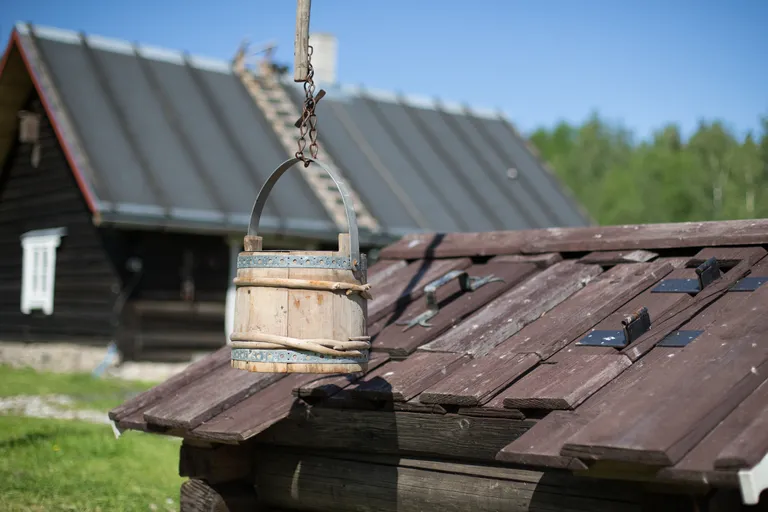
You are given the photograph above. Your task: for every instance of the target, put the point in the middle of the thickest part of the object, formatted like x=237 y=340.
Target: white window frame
x=38 y=269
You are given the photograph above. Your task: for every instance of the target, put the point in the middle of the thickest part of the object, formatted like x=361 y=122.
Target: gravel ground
x=59 y=357
x=59 y=407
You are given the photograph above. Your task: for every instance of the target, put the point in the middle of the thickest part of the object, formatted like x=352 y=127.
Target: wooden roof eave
x=31 y=65
x=15 y=88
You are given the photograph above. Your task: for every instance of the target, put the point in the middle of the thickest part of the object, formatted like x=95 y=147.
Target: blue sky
x=643 y=63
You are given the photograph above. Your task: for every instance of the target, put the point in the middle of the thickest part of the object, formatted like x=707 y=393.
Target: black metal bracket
x=706 y=273
x=748 y=284
x=679 y=338
x=635 y=325
x=467 y=283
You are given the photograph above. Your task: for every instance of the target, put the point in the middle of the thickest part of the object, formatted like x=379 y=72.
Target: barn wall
x=176 y=306
x=86 y=283
x=178 y=266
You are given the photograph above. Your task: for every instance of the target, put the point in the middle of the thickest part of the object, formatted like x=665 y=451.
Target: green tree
x=712 y=175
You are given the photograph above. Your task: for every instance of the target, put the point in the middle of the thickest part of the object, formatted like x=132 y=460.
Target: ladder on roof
x=281 y=112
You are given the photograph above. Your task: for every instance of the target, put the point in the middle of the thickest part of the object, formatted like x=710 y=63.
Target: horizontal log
x=395 y=432
x=216 y=463
x=351 y=482
x=201 y=496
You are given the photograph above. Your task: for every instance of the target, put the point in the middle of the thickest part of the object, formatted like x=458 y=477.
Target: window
x=29 y=133
x=38 y=269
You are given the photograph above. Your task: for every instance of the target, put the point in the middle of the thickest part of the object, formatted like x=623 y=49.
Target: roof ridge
x=215 y=64
x=115 y=45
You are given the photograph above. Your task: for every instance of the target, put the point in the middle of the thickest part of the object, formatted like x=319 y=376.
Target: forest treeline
x=713 y=175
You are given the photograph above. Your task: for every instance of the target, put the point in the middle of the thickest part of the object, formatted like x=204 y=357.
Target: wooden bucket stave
x=300 y=311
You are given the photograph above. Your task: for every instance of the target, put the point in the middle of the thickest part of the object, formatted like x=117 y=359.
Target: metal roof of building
x=174 y=140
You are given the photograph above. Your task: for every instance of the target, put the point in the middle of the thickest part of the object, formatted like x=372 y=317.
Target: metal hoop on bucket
x=261 y=199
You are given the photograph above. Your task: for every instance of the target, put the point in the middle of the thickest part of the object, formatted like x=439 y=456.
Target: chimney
x=324 y=50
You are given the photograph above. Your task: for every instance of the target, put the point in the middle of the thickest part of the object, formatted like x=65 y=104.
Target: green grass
x=70 y=465
x=88 y=392
x=52 y=465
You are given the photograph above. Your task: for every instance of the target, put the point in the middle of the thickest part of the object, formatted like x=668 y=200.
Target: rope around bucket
x=306 y=284
x=264 y=341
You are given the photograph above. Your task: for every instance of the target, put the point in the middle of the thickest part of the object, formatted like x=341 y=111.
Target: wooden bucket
x=299 y=311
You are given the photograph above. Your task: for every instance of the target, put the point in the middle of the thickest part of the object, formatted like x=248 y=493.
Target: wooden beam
x=216 y=463
x=199 y=496
x=395 y=432
x=301 y=43
x=352 y=482
x=596 y=238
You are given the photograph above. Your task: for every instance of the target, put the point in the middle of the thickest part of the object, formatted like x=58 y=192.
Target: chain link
x=308 y=116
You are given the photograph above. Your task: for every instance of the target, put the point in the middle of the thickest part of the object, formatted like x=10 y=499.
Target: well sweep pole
x=301 y=42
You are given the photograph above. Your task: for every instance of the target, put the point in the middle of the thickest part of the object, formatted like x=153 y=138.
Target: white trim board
x=38 y=270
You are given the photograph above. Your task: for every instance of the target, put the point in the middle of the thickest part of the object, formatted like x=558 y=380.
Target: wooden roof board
x=656 y=305
x=407 y=284
x=544 y=442
x=401 y=381
x=256 y=413
x=565 y=384
x=587 y=239
x=507 y=314
x=479 y=380
x=325 y=386
x=686 y=308
x=587 y=307
x=454 y=305
x=746 y=449
x=707 y=380
x=607 y=258
x=381 y=272
x=702 y=461
x=207 y=396
x=175 y=383
x=488 y=375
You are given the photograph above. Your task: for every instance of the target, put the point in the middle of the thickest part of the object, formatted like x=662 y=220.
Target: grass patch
x=90 y=392
x=69 y=465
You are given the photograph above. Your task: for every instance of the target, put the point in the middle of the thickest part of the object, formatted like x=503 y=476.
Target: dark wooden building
x=128 y=173
x=619 y=368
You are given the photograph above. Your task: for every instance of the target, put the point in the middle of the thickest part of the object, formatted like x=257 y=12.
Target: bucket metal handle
x=261 y=199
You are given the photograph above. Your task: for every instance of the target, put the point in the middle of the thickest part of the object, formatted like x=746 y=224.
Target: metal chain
x=308 y=116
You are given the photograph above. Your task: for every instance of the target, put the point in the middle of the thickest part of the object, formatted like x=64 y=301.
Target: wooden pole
x=301 y=43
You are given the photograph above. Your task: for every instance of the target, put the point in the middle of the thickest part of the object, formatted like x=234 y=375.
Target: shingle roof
x=171 y=139
x=503 y=364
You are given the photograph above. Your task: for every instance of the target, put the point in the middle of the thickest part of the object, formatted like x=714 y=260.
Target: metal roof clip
x=635 y=325
x=467 y=283
x=679 y=338
x=748 y=284
x=706 y=273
